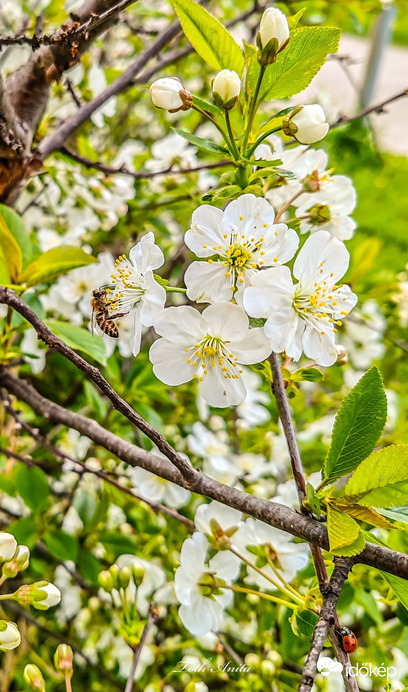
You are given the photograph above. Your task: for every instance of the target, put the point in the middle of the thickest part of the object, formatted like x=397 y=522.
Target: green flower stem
x=253 y=108
x=242 y=176
x=261 y=139
x=267 y=596
x=231 y=135
x=175 y=289
x=288 y=587
x=289 y=592
x=214 y=122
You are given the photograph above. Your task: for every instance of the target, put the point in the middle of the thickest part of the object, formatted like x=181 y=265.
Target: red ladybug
x=349 y=640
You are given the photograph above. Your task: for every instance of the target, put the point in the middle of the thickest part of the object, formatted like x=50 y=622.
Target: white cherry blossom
x=157 y=489
x=288 y=557
x=225 y=516
x=208 y=347
x=304 y=318
x=200 y=611
x=136 y=290
x=236 y=243
x=329 y=208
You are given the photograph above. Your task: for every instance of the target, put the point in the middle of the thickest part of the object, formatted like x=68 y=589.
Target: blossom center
x=212 y=353
x=320 y=305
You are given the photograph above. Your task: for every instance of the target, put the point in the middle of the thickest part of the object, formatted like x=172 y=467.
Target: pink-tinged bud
x=33 y=677
x=169 y=93
x=63 y=659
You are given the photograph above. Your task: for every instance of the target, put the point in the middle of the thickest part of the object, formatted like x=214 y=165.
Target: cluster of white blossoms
x=243 y=275
x=203 y=585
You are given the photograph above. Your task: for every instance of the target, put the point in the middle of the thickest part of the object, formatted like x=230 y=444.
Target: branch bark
x=271 y=513
x=326 y=620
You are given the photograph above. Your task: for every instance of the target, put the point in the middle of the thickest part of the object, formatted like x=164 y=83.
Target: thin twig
x=151 y=619
x=376 y=108
x=110 y=170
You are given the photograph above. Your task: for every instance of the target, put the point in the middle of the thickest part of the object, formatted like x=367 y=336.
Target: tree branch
x=376 y=108
x=9 y=297
x=151 y=619
x=326 y=620
x=271 y=513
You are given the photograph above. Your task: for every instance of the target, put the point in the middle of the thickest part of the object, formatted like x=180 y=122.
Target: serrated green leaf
x=367 y=514
x=296 y=66
x=18 y=230
x=10 y=251
x=206 y=105
x=209 y=38
x=381 y=480
x=358 y=425
x=80 y=339
x=345 y=537
x=32 y=485
x=55 y=262
x=294 y=19
x=206 y=144
x=396 y=514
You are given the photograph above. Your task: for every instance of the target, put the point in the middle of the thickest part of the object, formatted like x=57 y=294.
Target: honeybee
x=100 y=313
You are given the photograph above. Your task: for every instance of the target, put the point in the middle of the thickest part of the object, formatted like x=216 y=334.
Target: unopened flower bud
x=42 y=595
x=106 y=581
x=18 y=563
x=138 y=574
x=226 y=88
x=170 y=94
x=34 y=678
x=63 y=659
x=9 y=636
x=125 y=576
x=8 y=546
x=273 y=35
x=307 y=124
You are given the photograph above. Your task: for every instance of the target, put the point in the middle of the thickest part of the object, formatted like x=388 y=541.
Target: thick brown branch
x=11 y=298
x=326 y=620
x=271 y=513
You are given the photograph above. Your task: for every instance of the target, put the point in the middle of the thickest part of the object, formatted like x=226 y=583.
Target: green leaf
x=206 y=105
x=345 y=537
x=206 y=144
x=54 y=262
x=296 y=66
x=10 y=251
x=61 y=545
x=307 y=375
x=32 y=486
x=209 y=38
x=367 y=514
x=399 y=587
x=17 y=228
x=294 y=19
x=24 y=531
x=358 y=425
x=396 y=513
x=4 y=269
x=80 y=339
x=312 y=499
x=303 y=622
x=381 y=480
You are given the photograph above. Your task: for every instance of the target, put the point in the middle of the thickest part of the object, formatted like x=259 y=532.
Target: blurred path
x=392 y=125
